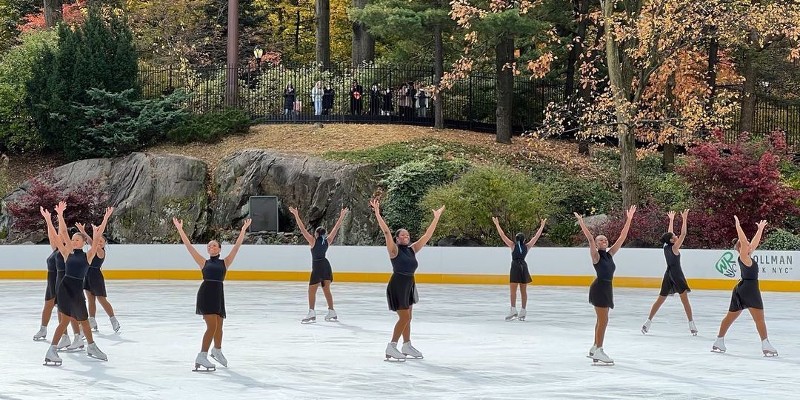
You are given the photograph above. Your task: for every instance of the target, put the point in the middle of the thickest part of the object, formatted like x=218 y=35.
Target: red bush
x=71 y=13
x=648 y=224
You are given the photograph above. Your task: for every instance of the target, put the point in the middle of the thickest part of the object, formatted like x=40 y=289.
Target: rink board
x=644 y=268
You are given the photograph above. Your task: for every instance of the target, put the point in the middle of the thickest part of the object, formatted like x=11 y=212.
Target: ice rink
x=470 y=351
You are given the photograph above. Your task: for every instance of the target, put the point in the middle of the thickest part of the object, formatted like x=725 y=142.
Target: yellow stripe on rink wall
x=380 y=277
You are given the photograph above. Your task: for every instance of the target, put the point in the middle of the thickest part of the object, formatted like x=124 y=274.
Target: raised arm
x=592 y=245
x=391 y=246
x=336 y=226
x=229 y=259
x=624 y=234
x=64 y=245
x=744 y=244
x=52 y=235
x=82 y=229
x=757 y=238
x=98 y=233
x=503 y=235
x=535 y=237
x=419 y=244
x=200 y=260
x=671 y=216
x=679 y=241
x=301 y=226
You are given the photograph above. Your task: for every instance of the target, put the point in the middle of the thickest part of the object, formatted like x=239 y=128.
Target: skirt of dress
x=320 y=272
x=601 y=293
x=401 y=292
x=519 y=272
x=746 y=294
x=70 y=298
x=95 y=283
x=211 y=298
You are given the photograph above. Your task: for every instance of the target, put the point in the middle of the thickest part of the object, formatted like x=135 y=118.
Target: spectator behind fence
x=356 y=100
x=422 y=102
x=375 y=100
x=388 y=106
x=288 y=100
x=327 y=99
x=411 y=95
x=316 y=97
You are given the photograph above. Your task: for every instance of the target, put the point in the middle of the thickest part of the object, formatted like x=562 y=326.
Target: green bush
x=5 y=182
x=780 y=239
x=211 y=127
x=514 y=197
x=408 y=183
x=563 y=232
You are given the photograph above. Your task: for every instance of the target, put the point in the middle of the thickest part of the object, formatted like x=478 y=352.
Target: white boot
x=719 y=345
x=392 y=353
x=310 y=318
x=591 y=351
x=332 y=317
x=64 y=342
x=646 y=327
x=93 y=351
x=114 y=324
x=217 y=355
x=77 y=344
x=202 y=361
x=512 y=313
x=93 y=324
x=41 y=335
x=52 y=358
x=600 y=356
x=522 y=314
x=410 y=351
x=692 y=328
x=767 y=349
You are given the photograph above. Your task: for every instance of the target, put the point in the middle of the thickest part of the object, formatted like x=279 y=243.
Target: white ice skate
x=331 y=316
x=93 y=324
x=41 y=335
x=52 y=358
x=63 y=342
x=410 y=351
x=522 y=314
x=93 y=351
x=512 y=313
x=767 y=349
x=310 y=318
x=600 y=358
x=591 y=351
x=692 y=328
x=201 y=363
x=646 y=327
x=114 y=324
x=392 y=354
x=719 y=346
x=216 y=354
x=77 y=344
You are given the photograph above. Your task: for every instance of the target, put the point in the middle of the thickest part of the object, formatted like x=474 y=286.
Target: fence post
x=469 y=103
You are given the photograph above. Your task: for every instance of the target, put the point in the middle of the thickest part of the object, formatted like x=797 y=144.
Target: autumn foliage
x=73 y=14
x=649 y=223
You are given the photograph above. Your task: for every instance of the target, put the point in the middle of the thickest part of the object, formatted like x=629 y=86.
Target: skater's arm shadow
x=248 y=382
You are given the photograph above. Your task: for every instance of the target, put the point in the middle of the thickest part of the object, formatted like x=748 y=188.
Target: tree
x=13 y=13
x=52 y=12
x=363 y=48
x=323 y=49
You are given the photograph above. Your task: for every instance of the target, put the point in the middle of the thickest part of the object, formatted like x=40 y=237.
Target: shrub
x=514 y=197
x=211 y=127
x=780 y=239
x=648 y=224
x=5 y=181
x=564 y=232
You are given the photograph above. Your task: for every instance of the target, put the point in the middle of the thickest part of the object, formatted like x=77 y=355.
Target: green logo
x=726 y=265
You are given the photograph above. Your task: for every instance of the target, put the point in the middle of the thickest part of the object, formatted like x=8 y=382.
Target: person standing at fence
x=316 y=95
x=375 y=99
x=388 y=102
x=95 y=284
x=288 y=100
x=401 y=292
x=601 y=292
x=211 y=295
x=356 y=98
x=422 y=101
x=519 y=276
x=327 y=99
x=746 y=293
x=674 y=281
x=321 y=272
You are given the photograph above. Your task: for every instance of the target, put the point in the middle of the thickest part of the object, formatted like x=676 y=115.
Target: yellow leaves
x=541 y=66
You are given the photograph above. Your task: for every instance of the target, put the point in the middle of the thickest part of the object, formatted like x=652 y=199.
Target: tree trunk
x=323 y=49
x=438 y=72
x=231 y=77
x=52 y=12
x=711 y=71
x=668 y=158
x=581 y=11
x=748 y=94
x=363 y=47
x=504 y=57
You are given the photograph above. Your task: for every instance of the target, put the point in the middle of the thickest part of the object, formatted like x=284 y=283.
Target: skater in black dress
x=321 y=272
x=601 y=292
x=95 y=285
x=519 y=276
x=71 y=302
x=746 y=293
x=50 y=290
x=211 y=295
x=401 y=292
x=674 y=281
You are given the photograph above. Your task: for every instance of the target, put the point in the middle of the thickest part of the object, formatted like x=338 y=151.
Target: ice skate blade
x=220 y=362
x=521 y=319
x=200 y=368
x=331 y=319
x=645 y=330
x=410 y=357
x=50 y=363
x=39 y=339
x=510 y=319
x=770 y=354
x=310 y=321
x=65 y=350
x=717 y=350
x=97 y=358
x=598 y=363
x=694 y=333
x=392 y=359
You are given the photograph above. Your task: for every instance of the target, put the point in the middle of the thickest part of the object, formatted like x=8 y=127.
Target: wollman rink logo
x=726 y=265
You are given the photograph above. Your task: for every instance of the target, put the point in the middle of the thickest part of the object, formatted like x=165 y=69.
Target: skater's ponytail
x=520 y=239
x=321 y=233
x=665 y=238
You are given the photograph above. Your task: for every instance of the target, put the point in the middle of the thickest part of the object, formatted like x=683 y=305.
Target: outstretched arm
x=503 y=236
x=679 y=241
x=301 y=226
x=336 y=226
x=744 y=244
x=535 y=237
x=229 y=259
x=200 y=260
x=671 y=216
x=98 y=233
x=52 y=235
x=757 y=238
x=64 y=244
x=387 y=234
x=419 y=244
x=82 y=229
x=624 y=234
x=592 y=245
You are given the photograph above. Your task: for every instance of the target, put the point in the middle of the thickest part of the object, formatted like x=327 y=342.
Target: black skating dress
x=69 y=293
x=674 y=281
x=60 y=267
x=401 y=292
x=747 y=294
x=320 y=266
x=601 y=292
x=211 y=295
x=95 y=283
x=519 y=268
x=50 y=291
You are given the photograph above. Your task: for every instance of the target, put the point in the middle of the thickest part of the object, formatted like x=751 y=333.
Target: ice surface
x=470 y=351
